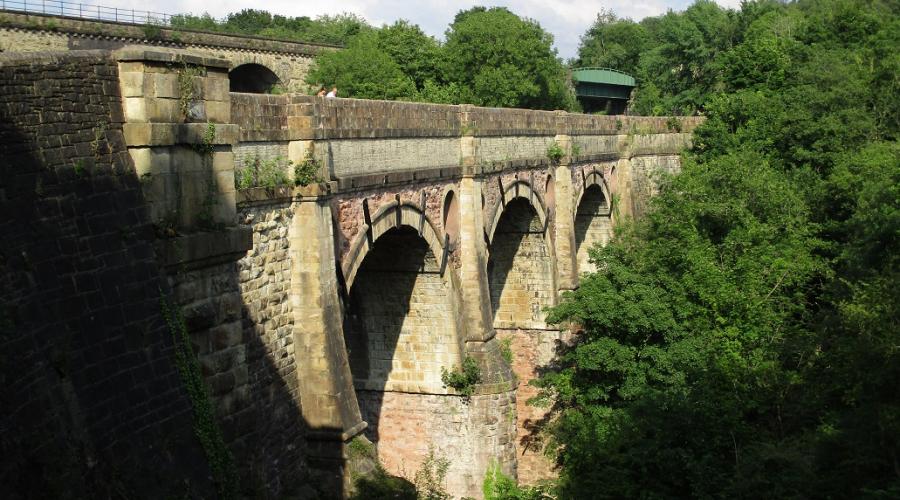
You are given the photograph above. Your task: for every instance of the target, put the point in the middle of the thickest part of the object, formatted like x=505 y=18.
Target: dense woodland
x=743 y=339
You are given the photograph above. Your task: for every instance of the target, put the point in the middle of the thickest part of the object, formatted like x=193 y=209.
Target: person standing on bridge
x=332 y=93
x=321 y=92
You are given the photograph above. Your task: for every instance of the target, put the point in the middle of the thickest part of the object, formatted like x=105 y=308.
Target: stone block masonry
x=316 y=313
x=92 y=399
x=290 y=61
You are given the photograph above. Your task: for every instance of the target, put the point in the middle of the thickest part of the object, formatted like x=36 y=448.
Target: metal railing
x=86 y=11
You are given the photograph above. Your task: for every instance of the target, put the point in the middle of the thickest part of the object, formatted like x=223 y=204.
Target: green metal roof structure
x=604 y=83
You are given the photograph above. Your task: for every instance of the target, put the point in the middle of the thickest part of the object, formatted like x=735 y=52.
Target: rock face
x=316 y=314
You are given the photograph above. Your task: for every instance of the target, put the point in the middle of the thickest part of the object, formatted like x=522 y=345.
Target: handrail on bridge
x=86 y=11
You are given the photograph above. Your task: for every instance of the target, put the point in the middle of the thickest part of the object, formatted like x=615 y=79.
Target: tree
x=613 y=43
x=416 y=53
x=362 y=70
x=742 y=339
x=505 y=61
x=336 y=30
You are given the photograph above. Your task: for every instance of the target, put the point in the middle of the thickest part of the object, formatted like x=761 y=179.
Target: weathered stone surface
x=433 y=226
x=531 y=350
x=91 y=393
x=290 y=61
x=470 y=434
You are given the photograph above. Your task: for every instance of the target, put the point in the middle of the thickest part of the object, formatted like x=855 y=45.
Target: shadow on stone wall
x=92 y=404
x=513 y=227
x=93 y=401
x=378 y=305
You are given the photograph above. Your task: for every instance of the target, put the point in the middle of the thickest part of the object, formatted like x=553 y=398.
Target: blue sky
x=567 y=20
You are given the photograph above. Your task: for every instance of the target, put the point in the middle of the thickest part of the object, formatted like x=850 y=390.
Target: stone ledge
x=281 y=194
x=280 y=135
x=495 y=388
x=168 y=134
x=351 y=182
x=612 y=156
x=337 y=434
x=203 y=249
x=53 y=57
x=170 y=56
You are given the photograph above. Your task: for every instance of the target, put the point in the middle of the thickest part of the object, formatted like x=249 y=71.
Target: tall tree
x=417 y=54
x=742 y=340
x=505 y=61
x=362 y=70
x=613 y=43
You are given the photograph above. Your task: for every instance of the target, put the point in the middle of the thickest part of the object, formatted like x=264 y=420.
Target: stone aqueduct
x=323 y=312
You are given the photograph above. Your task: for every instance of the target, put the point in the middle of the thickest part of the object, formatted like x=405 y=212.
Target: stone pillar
x=177 y=113
x=472 y=248
x=328 y=398
x=564 y=212
x=624 y=181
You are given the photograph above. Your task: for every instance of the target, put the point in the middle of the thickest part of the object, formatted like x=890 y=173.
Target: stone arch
x=402 y=326
x=593 y=219
x=517 y=189
x=253 y=78
x=593 y=178
x=386 y=218
x=520 y=270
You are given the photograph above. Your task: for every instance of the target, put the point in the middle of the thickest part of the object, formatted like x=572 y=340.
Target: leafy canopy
x=742 y=339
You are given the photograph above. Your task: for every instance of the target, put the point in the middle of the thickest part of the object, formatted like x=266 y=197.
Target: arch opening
x=451 y=217
x=520 y=273
x=400 y=327
x=593 y=225
x=253 y=78
x=521 y=283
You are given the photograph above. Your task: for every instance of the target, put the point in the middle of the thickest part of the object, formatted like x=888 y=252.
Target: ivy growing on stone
x=207 y=430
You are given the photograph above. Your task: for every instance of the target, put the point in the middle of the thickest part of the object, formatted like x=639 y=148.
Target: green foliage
x=207 y=144
x=430 y=477
x=673 y=123
x=613 y=43
x=79 y=168
x=505 y=60
x=499 y=486
x=262 y=173
x=307 y=172
x=465 y=380
x=152 y=31
x=506 y=350
x=741 y=339
x=415 y=53
x=363 y=70
x=491 y=58
x=206 y=427
x=336 y=30
x=379 y=485
x=99 y=145
x=555 y=152
x=187 y=90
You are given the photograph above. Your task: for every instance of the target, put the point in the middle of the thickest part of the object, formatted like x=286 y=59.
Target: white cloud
x=567 y=20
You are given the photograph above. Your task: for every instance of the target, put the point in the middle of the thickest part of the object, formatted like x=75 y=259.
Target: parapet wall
x=364 y=140
x=155 y=35
x=290 y=61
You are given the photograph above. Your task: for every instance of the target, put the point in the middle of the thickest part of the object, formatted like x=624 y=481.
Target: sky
x=567 y=20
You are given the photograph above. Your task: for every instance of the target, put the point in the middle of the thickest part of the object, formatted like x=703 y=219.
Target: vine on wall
x=206 y=428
